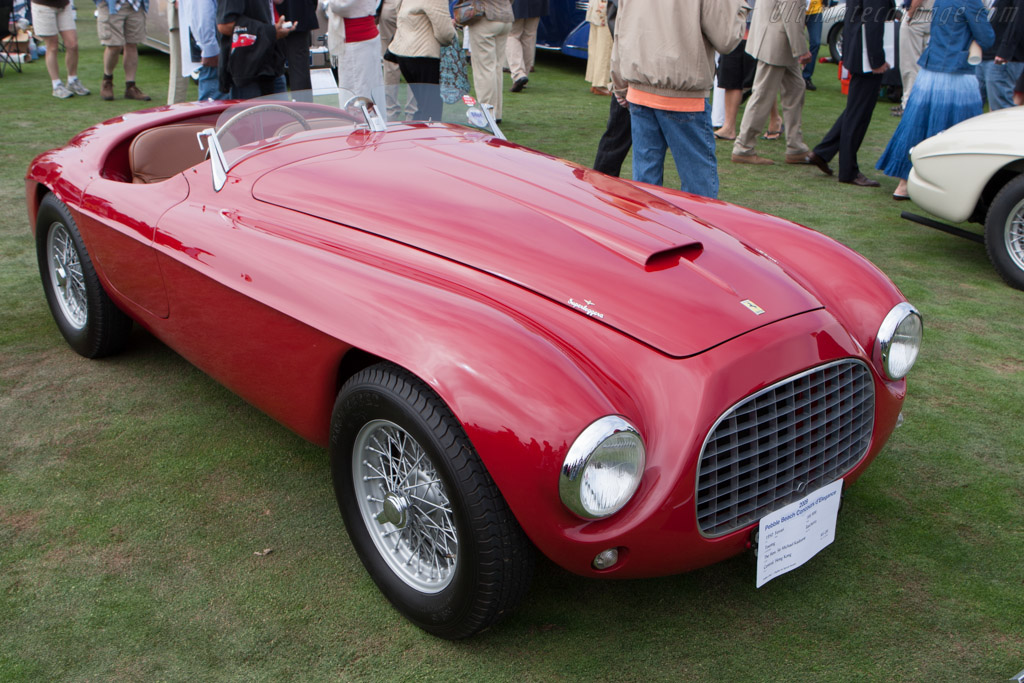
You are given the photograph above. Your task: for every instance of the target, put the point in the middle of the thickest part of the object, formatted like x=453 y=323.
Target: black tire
x=86 y=317
x=483 y=560
x=1004 y=232
x=835 y=42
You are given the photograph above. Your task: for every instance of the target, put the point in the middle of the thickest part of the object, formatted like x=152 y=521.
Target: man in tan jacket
x=662 y=68
x=778 y=42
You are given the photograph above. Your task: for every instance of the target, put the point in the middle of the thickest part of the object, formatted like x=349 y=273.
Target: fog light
x=606 y=558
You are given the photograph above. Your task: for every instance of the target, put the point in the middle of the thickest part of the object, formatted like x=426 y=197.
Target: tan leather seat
x=159 y=153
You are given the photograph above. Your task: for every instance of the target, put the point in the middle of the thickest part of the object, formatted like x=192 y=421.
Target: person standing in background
x=302 y=14
x=1003 y=63
x=202 y=27
x=663 y=65
x=387 y=22
x=777 y=40
x=487 y=37
x=915 y=29
x=53 y=19
x=863 y=19
x=521 y=45
x=617 y=140
x=354 y=43
x=946 y=91
x=599 y=48
x=121 y=25
x=813 y=23
x=424 y=27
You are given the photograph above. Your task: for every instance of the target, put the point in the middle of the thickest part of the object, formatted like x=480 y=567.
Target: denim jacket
x=955 y=23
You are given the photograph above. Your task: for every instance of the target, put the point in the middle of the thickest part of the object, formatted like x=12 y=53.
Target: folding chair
x=7 y=37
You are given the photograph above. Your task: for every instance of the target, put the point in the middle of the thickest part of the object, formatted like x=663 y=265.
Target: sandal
x=723 y=137
x=772 y=135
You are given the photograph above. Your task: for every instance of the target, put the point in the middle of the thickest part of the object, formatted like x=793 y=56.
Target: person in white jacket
x=354 y=44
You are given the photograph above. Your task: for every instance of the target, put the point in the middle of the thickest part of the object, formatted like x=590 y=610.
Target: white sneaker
x=60 y=90
x=77 y=88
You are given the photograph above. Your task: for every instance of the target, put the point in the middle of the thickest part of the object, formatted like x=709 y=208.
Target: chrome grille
x=783 y=442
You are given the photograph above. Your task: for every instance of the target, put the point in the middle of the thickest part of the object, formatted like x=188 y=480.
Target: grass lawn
x=135 y=492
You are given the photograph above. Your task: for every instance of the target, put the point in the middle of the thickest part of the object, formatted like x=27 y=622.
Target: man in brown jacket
x=778 y=42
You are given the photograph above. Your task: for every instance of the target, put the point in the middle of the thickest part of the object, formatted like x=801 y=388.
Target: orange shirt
x=646 y=99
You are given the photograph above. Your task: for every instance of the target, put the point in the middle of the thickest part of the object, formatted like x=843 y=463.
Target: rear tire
x=423 y=514
x=1004 y=232
x=89 y=321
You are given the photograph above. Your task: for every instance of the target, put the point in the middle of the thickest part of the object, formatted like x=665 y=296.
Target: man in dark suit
x=865 y=19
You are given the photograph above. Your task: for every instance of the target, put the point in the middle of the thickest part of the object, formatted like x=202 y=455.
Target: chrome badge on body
x=757 y=310
x=586 y=307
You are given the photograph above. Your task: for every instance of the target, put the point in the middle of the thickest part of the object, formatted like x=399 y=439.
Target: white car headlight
x=603 y=468
x=899 y=341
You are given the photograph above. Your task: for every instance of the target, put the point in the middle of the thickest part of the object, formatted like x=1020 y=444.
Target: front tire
x=89 y=321
x=1004 y=232
x=425 y=517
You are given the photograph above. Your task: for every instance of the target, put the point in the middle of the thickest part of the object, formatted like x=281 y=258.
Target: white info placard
x=789 y=537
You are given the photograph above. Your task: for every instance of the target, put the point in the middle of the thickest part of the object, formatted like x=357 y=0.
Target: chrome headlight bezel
x=902 y=321
x=586 y=452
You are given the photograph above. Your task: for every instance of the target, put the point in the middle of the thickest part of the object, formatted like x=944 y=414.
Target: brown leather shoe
x=822 y=165
x=107 y=90
x=804 y=158
x=132 y=92
x=751 y=159
x=862 y=181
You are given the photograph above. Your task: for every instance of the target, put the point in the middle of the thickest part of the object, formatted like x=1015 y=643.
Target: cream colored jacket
x=667 y=47
x=423 y=27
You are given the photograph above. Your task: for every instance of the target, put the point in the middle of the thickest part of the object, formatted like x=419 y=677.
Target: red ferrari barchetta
x=503 y=351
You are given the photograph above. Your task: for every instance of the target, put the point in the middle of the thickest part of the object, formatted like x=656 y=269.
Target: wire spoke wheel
x=404 y=506
x=1004 y=232
x=1014 y=235
x=66 y=276
x=425 y=517
x=86 y=317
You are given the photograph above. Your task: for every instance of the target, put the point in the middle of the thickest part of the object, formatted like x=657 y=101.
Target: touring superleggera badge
x=586 y=308
x=757 y=310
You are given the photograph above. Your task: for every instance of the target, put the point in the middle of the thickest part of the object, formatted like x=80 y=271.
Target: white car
x=974 y=172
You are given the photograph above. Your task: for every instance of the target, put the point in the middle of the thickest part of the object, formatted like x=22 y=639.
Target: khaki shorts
x=49 y=21
x=127 y=27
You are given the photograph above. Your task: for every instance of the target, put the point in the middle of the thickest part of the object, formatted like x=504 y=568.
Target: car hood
x=997 y=133
x=598 y=245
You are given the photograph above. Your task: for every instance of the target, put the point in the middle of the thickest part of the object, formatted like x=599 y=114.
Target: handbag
x=467 y=11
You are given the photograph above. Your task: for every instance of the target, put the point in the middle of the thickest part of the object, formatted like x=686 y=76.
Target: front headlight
x=603 y=468
x=899 y=341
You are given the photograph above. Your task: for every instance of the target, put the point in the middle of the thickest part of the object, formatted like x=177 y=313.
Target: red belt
x=360 y=29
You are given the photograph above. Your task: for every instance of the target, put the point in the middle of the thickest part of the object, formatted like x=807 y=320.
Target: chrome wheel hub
x=404 y=506
x=66 y=276
x=1014 y=235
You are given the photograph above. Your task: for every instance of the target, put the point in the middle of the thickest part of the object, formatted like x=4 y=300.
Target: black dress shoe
x=862 y=180
x=810 y=86
x=519 y=84
x=822 y=165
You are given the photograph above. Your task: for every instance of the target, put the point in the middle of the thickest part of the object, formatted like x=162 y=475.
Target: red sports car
x=504 y=352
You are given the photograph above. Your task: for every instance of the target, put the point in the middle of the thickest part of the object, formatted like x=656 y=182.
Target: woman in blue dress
x=946 y=91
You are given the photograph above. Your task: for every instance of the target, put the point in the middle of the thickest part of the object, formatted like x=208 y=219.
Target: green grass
x=135 y=491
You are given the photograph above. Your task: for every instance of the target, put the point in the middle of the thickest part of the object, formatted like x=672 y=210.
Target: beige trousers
x=914 y=35
x=521 y=47
x=769 y=80
x=487 y=54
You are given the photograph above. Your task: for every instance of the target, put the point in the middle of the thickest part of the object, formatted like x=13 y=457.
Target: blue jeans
x=813 y=22
x=687 y=134
x=997 y=81
x=209 y=84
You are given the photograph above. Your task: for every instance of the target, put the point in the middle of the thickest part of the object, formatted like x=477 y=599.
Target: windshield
x=249 y=126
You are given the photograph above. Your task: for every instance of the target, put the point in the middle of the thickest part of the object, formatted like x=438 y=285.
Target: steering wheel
x=259 y=109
